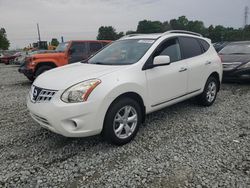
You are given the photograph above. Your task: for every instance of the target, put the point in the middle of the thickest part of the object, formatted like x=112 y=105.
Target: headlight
x=79 y=92
x=247 y=65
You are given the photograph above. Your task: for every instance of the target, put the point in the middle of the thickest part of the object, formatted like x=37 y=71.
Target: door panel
x=192 y=55
x=167 y=82
x=170 y=81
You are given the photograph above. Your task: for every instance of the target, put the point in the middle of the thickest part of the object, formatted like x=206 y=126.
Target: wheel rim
x=125 y=122
x=211 y=91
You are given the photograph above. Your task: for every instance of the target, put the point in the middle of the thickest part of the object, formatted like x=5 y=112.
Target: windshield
x=236 y=49
x=122 y=52
x=62 y=47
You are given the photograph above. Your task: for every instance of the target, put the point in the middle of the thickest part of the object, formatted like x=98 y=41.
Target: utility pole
x=246 y=16
x=38 y=31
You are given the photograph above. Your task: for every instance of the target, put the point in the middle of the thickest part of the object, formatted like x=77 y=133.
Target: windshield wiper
x=98 y=63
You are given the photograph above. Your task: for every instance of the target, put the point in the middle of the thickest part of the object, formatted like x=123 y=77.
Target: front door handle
x=208 y=63
x=183 y=69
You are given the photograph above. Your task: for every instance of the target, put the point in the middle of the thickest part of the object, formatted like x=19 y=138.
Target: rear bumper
x=241 y=74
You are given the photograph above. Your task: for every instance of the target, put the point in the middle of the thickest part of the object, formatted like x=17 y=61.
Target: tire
x=114 y=130
x=31 y=78
x=209 y=93
x=42 y=69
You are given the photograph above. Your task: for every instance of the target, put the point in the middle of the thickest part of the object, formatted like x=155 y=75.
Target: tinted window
x=204 y=45
x=78 y=48
x=170 y=48
x=190 y=47
x=94 y=47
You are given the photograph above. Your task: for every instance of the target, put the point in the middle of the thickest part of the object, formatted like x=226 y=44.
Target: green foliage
x=108 y=33
x=4 y=42
x=147 y=26
x=215 y=33
x=54 y=42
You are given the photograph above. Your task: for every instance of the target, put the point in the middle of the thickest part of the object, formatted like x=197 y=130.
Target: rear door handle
x=208 y=63
x=183 y=69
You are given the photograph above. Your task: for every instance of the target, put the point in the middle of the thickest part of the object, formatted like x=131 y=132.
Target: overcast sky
x=80 y=19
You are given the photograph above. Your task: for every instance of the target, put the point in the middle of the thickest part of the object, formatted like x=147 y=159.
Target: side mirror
x=161 y=60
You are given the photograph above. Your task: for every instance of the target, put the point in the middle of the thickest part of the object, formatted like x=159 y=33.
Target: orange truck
x=65 y=53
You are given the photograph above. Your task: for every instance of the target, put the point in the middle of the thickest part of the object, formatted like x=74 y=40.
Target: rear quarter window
x=190 y=47
x=205 y=45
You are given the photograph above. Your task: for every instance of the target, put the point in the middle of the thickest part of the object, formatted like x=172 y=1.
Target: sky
x=80 y=19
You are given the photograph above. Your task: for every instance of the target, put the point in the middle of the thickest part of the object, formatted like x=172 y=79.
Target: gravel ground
x=185 y=145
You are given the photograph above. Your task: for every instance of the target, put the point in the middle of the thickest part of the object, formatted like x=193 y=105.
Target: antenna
x=38 y=31
x=246 y=16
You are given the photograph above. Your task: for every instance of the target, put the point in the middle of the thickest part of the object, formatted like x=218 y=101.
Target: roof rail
x=132 y=35
x=182 y=32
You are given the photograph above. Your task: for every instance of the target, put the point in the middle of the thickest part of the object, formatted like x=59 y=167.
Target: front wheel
x=209 y=94
x=122 y=121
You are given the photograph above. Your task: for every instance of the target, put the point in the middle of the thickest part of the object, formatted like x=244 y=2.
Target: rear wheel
x=122 y=121
x=209 y=94
x=42 y=69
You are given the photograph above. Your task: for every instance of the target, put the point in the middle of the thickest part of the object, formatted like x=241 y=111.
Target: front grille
x=39 y=95
x=40 y=119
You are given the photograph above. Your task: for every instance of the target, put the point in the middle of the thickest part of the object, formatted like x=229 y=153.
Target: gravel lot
x=185 y=145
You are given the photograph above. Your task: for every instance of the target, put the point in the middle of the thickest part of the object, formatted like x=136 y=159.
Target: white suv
x=111 y=92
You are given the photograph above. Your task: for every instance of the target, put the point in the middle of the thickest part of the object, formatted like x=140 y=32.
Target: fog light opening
x=74 y=124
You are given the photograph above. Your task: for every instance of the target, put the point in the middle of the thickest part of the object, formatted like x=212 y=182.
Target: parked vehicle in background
x=113 y=91
x=8 y=58
x=1 y=56
x=236 y=61
x=18 y=60
x=220 y=45
x=65 y=53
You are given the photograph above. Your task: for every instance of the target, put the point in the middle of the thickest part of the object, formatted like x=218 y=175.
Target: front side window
x=190 y=47
x=170 y=48
x=122 y=52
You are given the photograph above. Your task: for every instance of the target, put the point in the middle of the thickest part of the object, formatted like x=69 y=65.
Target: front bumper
x=68 y=119
x=27 y=72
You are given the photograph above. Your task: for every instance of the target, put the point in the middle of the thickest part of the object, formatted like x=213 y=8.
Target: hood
x=235 y=58
x=48 y=55
x=66 y=76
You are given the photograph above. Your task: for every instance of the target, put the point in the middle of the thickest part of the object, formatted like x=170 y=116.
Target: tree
x=147 y=26
x=108 y=33
x=54 y=42
x=4 y=42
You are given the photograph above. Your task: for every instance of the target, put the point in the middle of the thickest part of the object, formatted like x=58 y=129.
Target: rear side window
x=94 y=47
x=190 y=47
x=204 y=45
